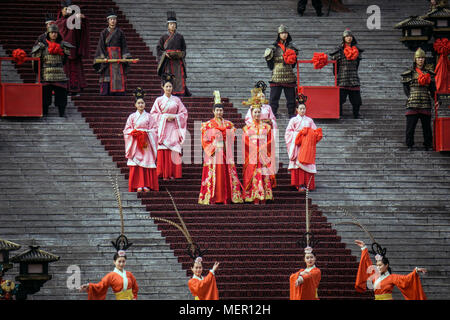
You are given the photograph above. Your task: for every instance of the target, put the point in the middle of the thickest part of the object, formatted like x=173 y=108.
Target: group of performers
x=153 y=140
x=66 y=42
x=303 y=284
x=153 y=147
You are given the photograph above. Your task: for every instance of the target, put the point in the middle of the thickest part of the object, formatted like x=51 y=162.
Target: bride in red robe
x=220 y=182
x=382 y=280
x=259 y=157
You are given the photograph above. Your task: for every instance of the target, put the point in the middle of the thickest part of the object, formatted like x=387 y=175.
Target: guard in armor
x=281 y=58
x=419 y=86
x=348 y=57
x=53 y=52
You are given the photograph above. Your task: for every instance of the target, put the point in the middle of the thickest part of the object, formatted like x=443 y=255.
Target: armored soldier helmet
x=419 y=54
x=347 y=32
x=282 y=28
x=52 y=28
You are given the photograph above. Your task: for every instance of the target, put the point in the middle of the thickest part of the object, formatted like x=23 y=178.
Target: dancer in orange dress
x=305 y=282
x=122 y=282
x=203 y=288
x=381 y=278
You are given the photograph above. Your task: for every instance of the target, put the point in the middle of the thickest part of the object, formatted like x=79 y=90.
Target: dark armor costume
x=283 y=76
x=53 y=77
x=347 y=75
x=420 y=101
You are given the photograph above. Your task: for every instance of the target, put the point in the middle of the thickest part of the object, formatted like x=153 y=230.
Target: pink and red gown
x=220 y=182
x=171 y=134
x=123 y=285
x=409 y=285
x=259 y=166
x=301 y=137
x=204 y=288
x=308 y=289
x=141 y=150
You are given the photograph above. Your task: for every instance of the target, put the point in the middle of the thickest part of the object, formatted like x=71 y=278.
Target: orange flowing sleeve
x=205 y=289
x=98 y=291
x=134 y=285
x=319 y=134
x=410 y=286
x=294 y=292
x=363 y=271
x=208 y=139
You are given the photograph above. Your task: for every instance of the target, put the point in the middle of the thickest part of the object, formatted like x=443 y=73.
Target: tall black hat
x=66 y=3
x=49 y=17
x=110 y=13
x=171 y=16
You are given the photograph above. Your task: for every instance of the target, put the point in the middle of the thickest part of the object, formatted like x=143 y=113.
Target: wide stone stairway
x=55 y=185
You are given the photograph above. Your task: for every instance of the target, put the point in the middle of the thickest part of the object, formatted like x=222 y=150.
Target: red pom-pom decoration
x=320 y=60
x=424 y=79
x=19 y=56
x=55 y=48
x=289 y=56
x=442 y=46
x=351 y=53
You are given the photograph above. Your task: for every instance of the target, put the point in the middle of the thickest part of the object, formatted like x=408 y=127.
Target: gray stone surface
x=55 y=189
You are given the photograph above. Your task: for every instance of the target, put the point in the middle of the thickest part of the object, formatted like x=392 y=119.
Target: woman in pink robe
x=302 y=172
x=140 y=148
x=170 y=115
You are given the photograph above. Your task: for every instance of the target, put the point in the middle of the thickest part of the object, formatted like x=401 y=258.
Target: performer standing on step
x=171 y=53
x=220 y=182
x=140 y=147
x=419 y=86
x=203 y=288
x=348 y=57
x=281 y=58
x=171 y=116
x=122 y=282
x=78 y=36
x=112 y=45
x=267 y=115
x=301 y=137
x=259 y=157
x=383 y=280
x=53 y=53
x=303 y=284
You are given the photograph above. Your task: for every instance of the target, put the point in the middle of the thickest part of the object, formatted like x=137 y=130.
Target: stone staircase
x=369 y=173
x=363 y=164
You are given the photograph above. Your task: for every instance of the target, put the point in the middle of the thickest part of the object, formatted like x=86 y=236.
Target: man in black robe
x=112 y=45
x=171 y=53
